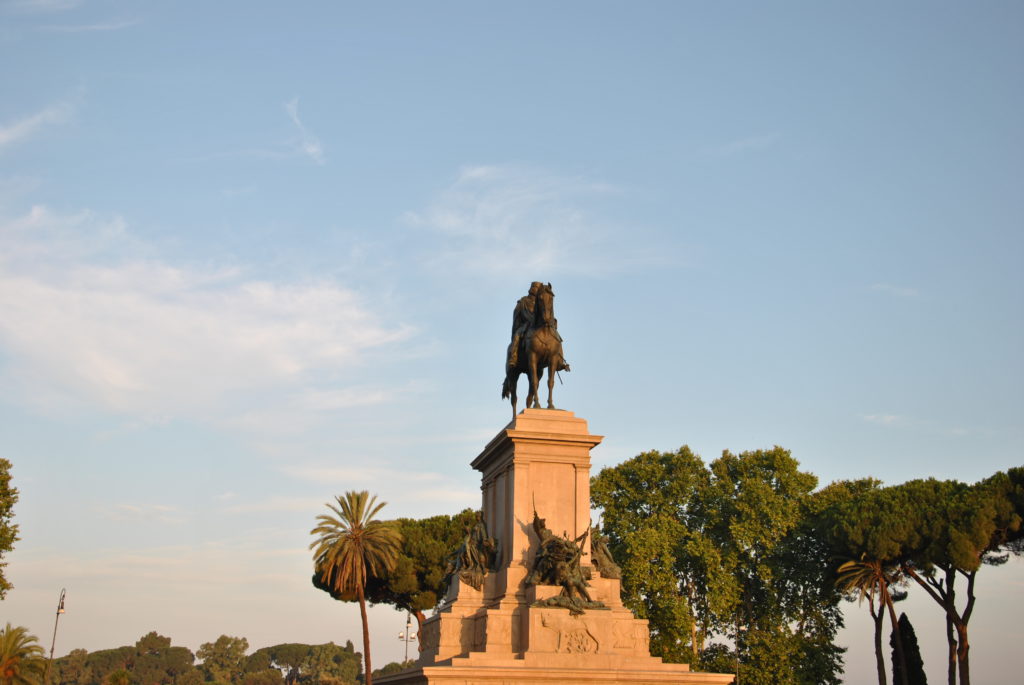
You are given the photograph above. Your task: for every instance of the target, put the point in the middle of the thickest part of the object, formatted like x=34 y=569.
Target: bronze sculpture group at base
x=558 y=563
x=477 y=555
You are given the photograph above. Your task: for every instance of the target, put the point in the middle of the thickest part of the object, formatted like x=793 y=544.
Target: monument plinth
x=498 y=634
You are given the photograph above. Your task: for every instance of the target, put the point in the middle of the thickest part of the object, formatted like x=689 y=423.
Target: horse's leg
x=552 y=365
x=531 y=399
x=513 y=381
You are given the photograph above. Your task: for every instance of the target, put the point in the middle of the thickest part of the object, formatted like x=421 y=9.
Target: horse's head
x=546 y=306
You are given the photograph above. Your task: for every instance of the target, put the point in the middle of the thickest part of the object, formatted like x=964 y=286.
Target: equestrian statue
x=536 y=346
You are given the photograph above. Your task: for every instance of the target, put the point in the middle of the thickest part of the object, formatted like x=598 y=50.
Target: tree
x=156 y=662
x=350 y=547
x=118 y=677
x=102 y=663
x=759 y=513
x=72 y=669
x=21 y=657
x=222 y=659
x=667 y=565
x=394 y=667
x=959 y=528
x=906 y=639
x=312 y=664
x=8 y=530
x=875 y=530
x=713 y=550
x=416 y=582
x=868 y=579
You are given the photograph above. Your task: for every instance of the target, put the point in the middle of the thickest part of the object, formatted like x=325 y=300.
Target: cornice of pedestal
x=532 y=427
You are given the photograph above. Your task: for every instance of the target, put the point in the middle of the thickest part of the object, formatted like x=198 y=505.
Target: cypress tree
x=911 y=654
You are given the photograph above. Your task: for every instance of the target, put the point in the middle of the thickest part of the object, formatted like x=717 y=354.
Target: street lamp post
x=53 y=643
x=407 y=635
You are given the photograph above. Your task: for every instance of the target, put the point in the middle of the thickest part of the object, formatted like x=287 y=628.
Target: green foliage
x=154 y=661
x=193 y=676
x=103 y=662
x=939 y=534
x=21 y=657
x=306 y=664
x=716 y=658
x=351 y=545
x=8 y=530
x=416 y=582
x=72 y=669
x=223 y=659
x=350 y=548
x=911 y=654
x=394 y=667
x=647 y=507
x=118 y=677
x=704 y=548
x=267 y=676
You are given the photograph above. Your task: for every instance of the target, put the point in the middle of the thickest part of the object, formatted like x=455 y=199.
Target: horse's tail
x=505 y=394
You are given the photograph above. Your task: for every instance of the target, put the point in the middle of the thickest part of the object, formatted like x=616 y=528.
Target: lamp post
x=53 y=643
x=407 y=634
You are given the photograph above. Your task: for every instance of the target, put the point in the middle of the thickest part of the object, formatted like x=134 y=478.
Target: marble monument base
x=498 y=634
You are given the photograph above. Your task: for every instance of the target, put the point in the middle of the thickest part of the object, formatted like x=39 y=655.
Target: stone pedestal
x=495 y=635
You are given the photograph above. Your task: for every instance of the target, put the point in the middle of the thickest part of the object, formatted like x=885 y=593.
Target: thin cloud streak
x=92 y=28
x=58 y=113
x=883 y=419
x=497 y=221
x=750 y=144
x=897 y=290
x=44 y=5
x=308 y=144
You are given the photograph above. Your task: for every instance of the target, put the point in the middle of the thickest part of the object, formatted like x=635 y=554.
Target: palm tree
x=869 y=578
x=21 y=657
x=351 y=547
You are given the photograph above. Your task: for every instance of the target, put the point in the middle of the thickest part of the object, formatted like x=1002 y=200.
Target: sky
x=254 y=255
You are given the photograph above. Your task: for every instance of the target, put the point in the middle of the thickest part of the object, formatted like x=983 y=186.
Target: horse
x=542 y=349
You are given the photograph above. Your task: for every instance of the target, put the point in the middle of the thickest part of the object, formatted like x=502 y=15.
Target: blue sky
x=253 y=255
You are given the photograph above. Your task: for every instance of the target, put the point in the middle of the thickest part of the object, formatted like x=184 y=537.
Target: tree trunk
x=366 y=635
x=896 y=635
x=879 y=619
x=420 y=618
x=951 y=657
x=962 y=655
x=945 y=598
x=693 y=640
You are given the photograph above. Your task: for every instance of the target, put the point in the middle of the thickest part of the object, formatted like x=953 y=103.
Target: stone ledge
x=526 y=675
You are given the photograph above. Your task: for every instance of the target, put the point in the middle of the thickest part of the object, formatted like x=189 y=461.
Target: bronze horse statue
x=541 y=349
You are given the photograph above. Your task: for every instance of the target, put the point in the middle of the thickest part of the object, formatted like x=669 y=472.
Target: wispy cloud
x=160 y=513
x=498 y=220
x=57 y=113
x=115 y=25
x=391 y=483
x=156 y=339
x=44 y=5
x=277 y=503
x=308 y=144
x=897 y=290
x=749 y=144
x=884 y=419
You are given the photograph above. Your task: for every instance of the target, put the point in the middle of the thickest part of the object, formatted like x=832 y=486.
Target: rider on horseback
x=523 y=320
